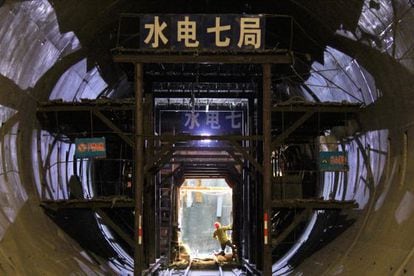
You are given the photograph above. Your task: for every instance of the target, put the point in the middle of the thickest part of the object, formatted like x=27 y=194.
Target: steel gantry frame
x=266 y=61
x=267 y=143
x=148 y=164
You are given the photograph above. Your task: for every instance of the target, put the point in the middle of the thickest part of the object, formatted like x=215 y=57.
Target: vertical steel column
x=139 y=169
x=150 y=196
x=267 y=173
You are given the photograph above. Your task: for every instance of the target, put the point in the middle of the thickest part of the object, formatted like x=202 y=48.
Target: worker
x=221 y=235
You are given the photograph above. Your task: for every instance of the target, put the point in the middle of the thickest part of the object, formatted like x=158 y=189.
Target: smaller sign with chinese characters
x=90 y=147
x=198 y=122
x=213 y=122
x=202 y=32
x=333 y=161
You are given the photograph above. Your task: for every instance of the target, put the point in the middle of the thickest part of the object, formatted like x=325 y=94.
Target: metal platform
x=118 y=202
x=95 y=203
x=318 y=204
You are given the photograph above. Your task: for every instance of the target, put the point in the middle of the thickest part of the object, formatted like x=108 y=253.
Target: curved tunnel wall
x=31 y=244
x=380 y=242
x=37 y=60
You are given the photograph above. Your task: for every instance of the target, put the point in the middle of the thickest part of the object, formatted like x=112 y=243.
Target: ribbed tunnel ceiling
x=354 y=51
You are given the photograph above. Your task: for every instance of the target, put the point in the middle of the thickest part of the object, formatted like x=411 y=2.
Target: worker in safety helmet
x=221 y=235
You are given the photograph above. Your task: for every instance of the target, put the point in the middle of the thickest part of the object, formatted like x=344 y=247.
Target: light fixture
x=206 y=141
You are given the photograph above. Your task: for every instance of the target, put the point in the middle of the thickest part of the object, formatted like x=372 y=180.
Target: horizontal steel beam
x=202 y=156
x=212 y=171
x=321 y=108
x=206 y=176
x=215 y=95
x=82 y=107
x=318 y=204
x=179 y=148
x=177 y=138
x=203 y=188
x=199 y=170
x=206 y=162
x=113 y=202
x=232 y=59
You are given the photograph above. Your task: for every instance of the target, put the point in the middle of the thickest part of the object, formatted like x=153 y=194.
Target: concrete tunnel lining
x=39 y=62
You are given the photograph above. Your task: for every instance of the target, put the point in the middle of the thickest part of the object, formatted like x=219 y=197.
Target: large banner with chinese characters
x=200 y=122
x=228 y=32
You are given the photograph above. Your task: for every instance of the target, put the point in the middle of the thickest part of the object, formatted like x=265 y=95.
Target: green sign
x=90 y=147
x=333 y=161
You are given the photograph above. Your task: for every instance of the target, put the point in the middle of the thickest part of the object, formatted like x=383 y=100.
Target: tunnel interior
x=347 y=89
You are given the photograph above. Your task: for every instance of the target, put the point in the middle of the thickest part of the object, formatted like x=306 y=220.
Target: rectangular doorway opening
x=202 y=203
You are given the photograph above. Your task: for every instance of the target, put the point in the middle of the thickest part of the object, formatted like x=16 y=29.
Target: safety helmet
x=217 y=224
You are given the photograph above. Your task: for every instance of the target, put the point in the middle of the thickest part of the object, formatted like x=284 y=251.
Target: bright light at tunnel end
x=205 y=141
